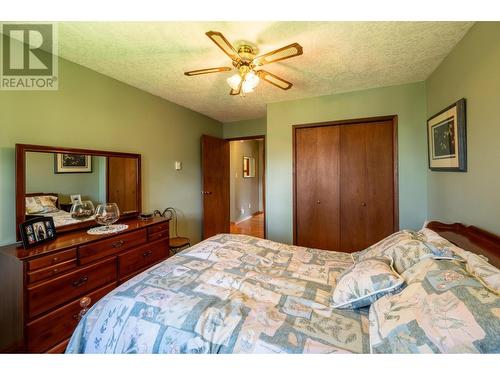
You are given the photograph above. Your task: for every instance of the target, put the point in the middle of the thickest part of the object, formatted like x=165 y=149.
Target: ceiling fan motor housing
x=246 y=53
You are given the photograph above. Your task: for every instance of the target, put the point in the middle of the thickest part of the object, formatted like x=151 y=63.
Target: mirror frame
x=22 y=149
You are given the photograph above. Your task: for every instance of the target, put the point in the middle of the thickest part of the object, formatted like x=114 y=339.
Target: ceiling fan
x=248 y=65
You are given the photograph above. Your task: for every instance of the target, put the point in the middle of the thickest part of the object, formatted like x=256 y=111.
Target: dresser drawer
x=142 y=257
x=47 y=272
x=50 y=260
x=158 y=228
x=59 y=348
x=100 y=249
x=49 y=294
x=158 y=235
x=50 y=330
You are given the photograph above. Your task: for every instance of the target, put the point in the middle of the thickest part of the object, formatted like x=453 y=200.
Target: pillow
x=41 y=204
x=440 y=246
x=407 y=248
x=364 y=282
x=378 y=248
x=443 y=309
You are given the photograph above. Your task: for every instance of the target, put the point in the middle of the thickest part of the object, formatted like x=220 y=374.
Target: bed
x=240 y=294
x=47 y=204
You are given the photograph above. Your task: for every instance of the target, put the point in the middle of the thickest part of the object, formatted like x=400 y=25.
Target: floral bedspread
x=444 y=309
x=228 y=294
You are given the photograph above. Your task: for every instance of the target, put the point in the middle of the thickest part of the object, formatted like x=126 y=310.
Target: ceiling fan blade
x=206 y=71
x=287 y=52
x=224 y=45
x=274 y=80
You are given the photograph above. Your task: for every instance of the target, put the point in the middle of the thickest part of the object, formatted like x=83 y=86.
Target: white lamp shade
x=252 y=79
x=234 y=81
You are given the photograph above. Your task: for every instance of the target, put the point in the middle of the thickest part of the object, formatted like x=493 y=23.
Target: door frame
x=249 y=138
x=367 y=120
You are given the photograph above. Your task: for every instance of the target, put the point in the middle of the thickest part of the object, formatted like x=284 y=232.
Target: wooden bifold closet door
x=345 y=184
x=318 y=187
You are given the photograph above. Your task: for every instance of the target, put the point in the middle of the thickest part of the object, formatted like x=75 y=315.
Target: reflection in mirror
x=122 y=183
x=54 y=181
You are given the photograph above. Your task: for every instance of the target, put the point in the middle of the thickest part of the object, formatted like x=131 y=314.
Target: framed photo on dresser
x=37 y=230
x=447 y=139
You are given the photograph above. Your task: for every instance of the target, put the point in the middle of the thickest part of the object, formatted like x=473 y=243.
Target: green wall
x=470 y=71
x=406 y=101
x=245 y=128
x=91 y=110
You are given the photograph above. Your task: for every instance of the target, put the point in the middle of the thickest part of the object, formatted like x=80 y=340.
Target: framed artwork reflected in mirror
x=72 y=163
x=248 y=167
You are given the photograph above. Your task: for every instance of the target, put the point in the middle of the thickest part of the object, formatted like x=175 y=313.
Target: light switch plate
x=178 y=165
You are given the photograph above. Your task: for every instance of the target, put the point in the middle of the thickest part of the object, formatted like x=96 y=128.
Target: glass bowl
x=82 y=210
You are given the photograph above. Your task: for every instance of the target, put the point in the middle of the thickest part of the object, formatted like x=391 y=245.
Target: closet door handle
x=318 y=201
x=363 y=204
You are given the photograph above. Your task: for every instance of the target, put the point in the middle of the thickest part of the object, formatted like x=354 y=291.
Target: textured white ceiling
x=338 y=57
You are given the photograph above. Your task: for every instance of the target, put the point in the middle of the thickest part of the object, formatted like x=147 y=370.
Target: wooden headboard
x=470 y=238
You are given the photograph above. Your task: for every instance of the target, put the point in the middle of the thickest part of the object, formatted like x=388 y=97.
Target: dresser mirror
x=49 y=180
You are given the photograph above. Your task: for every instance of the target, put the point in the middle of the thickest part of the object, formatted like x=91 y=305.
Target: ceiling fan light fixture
x=252 y=79
x=245 y=62
x=234 y=81
x=246 y=87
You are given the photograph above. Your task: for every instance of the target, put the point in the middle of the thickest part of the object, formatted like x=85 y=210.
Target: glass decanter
x=106 y=214
x=82 y=210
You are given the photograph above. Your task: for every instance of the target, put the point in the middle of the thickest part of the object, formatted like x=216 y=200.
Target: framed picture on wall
x=248 y=167
x=447 y=139
x=72 y=163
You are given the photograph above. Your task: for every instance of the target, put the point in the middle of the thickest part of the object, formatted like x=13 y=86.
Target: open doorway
x=247 y=186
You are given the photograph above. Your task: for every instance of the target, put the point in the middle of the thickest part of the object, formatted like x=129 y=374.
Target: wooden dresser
x=44 y=288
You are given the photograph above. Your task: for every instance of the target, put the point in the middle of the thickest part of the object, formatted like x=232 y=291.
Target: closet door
x=317 y=202
x=367 y=184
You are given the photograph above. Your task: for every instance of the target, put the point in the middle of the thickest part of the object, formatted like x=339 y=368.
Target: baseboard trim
x=242 y=220
x=246 y=218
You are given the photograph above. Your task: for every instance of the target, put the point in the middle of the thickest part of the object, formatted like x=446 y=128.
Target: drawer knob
x=55 y=270
x=147 y=253
x=55 y=259
x=118 y=244
x=78 y=283
x=84 y=304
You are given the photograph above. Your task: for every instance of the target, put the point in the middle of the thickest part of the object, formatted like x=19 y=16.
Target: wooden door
x=367 y=184
x=215 y=185
x=317 y=209
x=122 y=183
